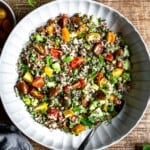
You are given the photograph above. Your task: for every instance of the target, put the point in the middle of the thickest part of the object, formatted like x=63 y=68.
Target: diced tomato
x=76 y=62
x=79 y=84
x=119 y=64
x=84 y=101
x=64 y=20
x=38 y=82
x=23 y=87
x=109 y=57
x=54 y=91
x=66 y=89
x=55 y=52
x=36 y=93
x=53 y=113
x=82 y=83
x=118 y=53
x=76 y=85
x=98 y=48
x=99 y=76
x=64 y=16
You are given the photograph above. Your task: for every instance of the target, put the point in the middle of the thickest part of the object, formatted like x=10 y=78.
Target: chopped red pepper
x=82 y=83
x=55 y=52
x=53 y=113
x=109 y=57
x=38 y=82
x=79 y=84
x=76 y=62
x=99 y=76
x=66 y=89
x=36 y=93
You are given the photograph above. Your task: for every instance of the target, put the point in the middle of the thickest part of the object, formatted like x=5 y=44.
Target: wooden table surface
x=138 y=12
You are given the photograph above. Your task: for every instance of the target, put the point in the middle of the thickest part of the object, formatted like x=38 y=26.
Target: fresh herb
x=32 y=3
x=126 y=65
x=24 y=67
x=93 y=75
x=37 y=37
x=101 y=60
x=126 y=77
x=48 y=60
x=86 y=122
x=87 y=46
x=57 y=41
x=67 y=59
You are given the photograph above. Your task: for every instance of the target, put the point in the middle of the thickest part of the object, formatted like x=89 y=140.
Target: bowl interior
x=136 y=99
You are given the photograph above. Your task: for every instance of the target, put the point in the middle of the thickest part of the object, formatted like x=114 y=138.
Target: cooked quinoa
x=73 y=73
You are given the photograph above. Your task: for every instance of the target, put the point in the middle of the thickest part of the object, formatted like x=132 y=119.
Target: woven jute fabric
x=138 y=12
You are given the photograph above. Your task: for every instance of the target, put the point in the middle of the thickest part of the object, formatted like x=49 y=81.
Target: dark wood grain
x=138 y=12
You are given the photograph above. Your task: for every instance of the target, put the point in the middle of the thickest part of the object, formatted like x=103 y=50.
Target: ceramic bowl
x=136 y=99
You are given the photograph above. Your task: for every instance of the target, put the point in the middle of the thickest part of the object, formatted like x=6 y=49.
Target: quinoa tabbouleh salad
x=73 y=73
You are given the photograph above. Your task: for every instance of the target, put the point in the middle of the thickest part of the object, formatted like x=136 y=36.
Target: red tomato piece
x=54 y=91
x=53 y=113
x=76 y=62
x=66 y=89
x=23 y=87
x=82 y=83
x=79 y=84
x=36 y=93
x=109 y=57
x=64 y=16
x=38 y=82
x=99 y=76
x=55 y=52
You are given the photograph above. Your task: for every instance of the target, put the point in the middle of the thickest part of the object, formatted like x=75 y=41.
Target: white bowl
x=136 y=99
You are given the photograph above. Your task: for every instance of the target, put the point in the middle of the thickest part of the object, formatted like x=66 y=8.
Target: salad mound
x=73 y=73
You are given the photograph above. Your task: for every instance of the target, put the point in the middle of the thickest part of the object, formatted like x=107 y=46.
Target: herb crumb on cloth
x=73 y=73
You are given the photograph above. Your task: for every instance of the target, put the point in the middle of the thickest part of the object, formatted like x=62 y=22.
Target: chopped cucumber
x=95 y=20
x=126 y=76
x=126 y=64
x=94 y=104
x=87 y=46
x=111 y=108
x=97 y=113
x=27 y=101
x=126 y=52
x=37 y=37
x=51 y=84
x=56 y=67
x=95 y=86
